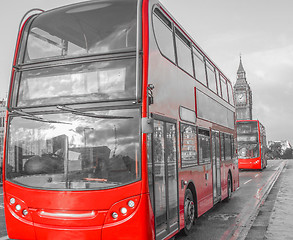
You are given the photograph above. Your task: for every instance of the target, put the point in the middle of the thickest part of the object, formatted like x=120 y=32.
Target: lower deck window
x=204 y=148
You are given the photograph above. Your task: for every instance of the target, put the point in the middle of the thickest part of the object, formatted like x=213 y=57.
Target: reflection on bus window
x=228 y=147
x=247 y=139
x=204 y=149
x=114 y=29
x=183 y=52
x=188 y=145
x=75 y=152
x=211 y=77
x=164 y=36
x=200 y=73
x=224 y=88
x=85 y=82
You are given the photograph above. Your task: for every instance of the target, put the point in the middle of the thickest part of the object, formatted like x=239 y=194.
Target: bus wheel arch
x=190 y=208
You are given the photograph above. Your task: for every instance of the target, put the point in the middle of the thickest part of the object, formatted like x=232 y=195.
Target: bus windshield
x=82 y=29
x=74 y=150
x=247 y=138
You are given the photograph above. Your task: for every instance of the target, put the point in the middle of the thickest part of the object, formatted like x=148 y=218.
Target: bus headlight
x=122 y=210
x=12 y=201
x=131 y=204
x=18 y=207
x=25 y=212
x=114 y=215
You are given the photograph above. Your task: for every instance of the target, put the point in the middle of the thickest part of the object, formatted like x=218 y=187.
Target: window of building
x=164 y=34
x=204 y=148
x=200 y=73
x=188 y=145
x=184 y=59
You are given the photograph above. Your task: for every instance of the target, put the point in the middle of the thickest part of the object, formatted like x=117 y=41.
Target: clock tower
x=243 y=95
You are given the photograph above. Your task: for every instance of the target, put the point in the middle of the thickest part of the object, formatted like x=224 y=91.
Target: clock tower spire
x=243 y=95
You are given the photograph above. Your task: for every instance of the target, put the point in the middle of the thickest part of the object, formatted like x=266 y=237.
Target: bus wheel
x=189 y=212
x=229 y=187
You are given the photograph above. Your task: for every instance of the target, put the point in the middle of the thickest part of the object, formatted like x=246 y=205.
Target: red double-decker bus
x=118 y=126
x=251 y=139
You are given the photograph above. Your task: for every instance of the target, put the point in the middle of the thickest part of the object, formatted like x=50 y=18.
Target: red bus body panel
x=250 y=163
x=89 y=219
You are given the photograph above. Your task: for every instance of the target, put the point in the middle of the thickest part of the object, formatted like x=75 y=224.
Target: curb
x=267 y=189
x=245 y=219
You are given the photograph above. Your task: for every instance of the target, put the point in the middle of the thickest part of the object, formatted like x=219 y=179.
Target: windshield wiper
x=93 y=115
x=33 y=117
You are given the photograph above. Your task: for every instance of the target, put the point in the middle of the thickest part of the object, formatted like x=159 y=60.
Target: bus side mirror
x=147 y=125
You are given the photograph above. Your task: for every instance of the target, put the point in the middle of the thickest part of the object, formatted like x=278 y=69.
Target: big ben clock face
x=241 y=97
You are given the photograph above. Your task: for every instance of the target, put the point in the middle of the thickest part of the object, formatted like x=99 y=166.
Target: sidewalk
x=275 y=218
x=281 y=221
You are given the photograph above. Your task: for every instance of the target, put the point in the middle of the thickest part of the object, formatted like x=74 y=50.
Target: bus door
x=164 y=182
x=216 y=166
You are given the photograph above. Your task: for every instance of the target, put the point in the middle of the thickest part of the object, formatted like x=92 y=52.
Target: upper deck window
x=86 y=82
x=230 y=92
x=211 y=77
x=224 y=88
x=200 y=73
x=183 y=52
x=82 y=29
x=164 y=34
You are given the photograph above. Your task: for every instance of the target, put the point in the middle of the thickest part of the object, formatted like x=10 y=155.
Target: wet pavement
x=272 y=221
x=281 y=221
x=275 y=215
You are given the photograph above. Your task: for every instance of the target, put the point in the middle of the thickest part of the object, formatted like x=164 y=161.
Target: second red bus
x=251 y=139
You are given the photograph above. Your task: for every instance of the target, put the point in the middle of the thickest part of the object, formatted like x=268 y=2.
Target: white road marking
x=256 y=175
x=247 y=181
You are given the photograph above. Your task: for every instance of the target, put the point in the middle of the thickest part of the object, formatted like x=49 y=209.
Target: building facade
x=242 y=95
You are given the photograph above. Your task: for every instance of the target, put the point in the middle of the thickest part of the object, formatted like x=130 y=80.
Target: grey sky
x=261 y=30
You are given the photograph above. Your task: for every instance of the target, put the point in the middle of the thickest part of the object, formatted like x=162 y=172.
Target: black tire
x=189 y=212
x=229 y=188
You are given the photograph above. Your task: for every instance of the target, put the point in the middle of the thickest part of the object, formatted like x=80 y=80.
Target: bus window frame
x=154 y=14
x=210 y=67
x=201 y=57
x=199 y=129
x=179 y=34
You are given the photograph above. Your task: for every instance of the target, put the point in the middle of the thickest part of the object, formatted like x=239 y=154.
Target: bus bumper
x=35 y=226
x=249 y=163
